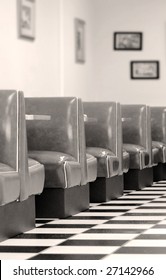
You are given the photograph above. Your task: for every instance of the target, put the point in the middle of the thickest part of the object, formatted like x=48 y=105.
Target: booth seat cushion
x=161 y=150
x=61 y=170
x=37 y=176
x=155 y=155
x=139 y=157
x=107 y=162
x=91 y=167
x=126 y=161
x=9 y=184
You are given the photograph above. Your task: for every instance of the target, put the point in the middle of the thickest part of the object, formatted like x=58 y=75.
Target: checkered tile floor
x=132 y=226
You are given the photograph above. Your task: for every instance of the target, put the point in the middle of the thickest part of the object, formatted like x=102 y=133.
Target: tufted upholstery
x=60 y=142
x=101 y=137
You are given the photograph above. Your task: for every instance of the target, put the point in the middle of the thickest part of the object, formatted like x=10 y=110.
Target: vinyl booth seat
x=156 y=147
x=91 y=168
x=61 y=170
x=101 y=133
x=36 y=177
x=59 y=144
x=20 y=179
x=137 y=142
x=158 y=125
x=156 y=153
x=138 y=156
x=125 y=161
x=9 y=184
x=160 y=153
x=107 y=162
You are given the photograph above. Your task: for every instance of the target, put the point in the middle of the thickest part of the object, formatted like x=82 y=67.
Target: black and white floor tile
x=132 y=226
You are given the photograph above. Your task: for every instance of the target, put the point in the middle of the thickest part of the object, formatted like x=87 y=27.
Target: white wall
x=112 y=71
x=47 y=67
x=31 y=66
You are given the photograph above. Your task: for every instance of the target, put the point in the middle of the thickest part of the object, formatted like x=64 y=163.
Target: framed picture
x=26 y=18
x=124 y=41
x=145 y=69
x=79 y=40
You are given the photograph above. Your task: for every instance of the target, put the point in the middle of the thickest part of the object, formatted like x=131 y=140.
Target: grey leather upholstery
x=9 y=176
x=62 y=170
x=156 y=151
x=36 y=177
x=31 y=172
x=102 y=137
x=158 y=129
x=155 y=148
x=161 y=155
x=139 y=157
x=91 y=168
x=15 y=179
x=60 y=142
x=107 y=162
x=123 y=155
x=137 y=135
x=126 y=161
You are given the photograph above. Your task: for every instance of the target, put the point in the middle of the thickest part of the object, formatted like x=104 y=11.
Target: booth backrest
x=13 y=145
x=64 y=132
x=119 y=137
x=101 y=128
x=148 y=134
x=82 y=144
x=9 y=128
x=158 y=124
x=60 y=132
x=22 y=149
x=134 y=124
x=136 y=121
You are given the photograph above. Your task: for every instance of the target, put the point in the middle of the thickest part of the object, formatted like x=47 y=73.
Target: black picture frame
x=128 y=41
x=79 y=40
x=145 y=69
x=26 y=19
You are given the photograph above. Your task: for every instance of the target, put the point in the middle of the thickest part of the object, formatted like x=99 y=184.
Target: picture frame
x=128 y=41
x=148 y=69
x=79 y=40
x=26 y=19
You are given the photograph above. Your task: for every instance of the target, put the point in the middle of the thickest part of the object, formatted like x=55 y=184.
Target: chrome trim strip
x=17 y=147
x=65 y=173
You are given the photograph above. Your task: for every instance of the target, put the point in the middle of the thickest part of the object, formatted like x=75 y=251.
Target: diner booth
x=56 y=138
x=21 y=178
x=103 y=133
x=138 y=143
x=158 y=127
x=58 y=154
